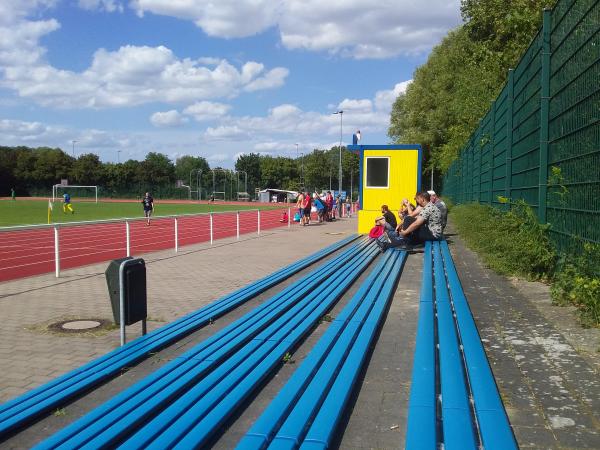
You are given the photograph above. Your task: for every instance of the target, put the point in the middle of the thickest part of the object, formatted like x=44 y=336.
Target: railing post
x=56 y=253
x=289 y=217
x=544 y=115
x=127 y=238
x=509 y=136
x=211 y=228
x=176 y=236
x=258 y=222
x=237 y=224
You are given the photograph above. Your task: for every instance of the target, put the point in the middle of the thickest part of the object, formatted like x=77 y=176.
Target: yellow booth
x=388 y=173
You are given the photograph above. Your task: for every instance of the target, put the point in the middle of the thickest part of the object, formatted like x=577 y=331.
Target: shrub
x=511 y=243
x=577 y=282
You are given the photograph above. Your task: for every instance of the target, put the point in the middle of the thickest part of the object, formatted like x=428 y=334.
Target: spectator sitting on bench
x=411 y=210
x=442 y=207
x=390 y=218
x=427 y=226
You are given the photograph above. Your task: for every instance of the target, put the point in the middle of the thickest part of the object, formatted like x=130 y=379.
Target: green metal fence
x=540 y=140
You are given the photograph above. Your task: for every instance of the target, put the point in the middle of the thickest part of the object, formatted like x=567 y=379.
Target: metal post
x=211 y=228
x=289 y=217
x=237 y=224
x=199 y=183
x=122 y=303
x=258 y=221
x=127 y=238
x=176 y=237
x=544 y=115
x=431 y=184
x=56 y=253
x=509 y=137
x=491 y=157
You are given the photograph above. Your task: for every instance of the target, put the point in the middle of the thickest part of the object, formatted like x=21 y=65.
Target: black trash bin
x=134 y=278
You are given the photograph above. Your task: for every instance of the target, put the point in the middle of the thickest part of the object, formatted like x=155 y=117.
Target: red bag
x=376 y=231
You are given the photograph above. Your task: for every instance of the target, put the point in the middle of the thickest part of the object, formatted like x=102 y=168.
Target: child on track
x=67 y=203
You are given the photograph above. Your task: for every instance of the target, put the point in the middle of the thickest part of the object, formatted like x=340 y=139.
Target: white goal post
x=56 y=188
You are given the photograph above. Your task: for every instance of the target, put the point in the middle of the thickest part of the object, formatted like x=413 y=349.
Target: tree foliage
x=34 y=171
x=452 y=91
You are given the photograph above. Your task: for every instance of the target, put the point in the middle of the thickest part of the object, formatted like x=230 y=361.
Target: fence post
x=211 y=228
x=176 y=236
x=509 y=136
x=258 y=222
x=127 y=238
x=491 y=154
x=479 y=149
x=56 y=253
x=544 y=115
x=237 y=225
x=289 y=217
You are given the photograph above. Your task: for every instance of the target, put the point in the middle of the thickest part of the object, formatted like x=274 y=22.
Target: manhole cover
x=81 y=325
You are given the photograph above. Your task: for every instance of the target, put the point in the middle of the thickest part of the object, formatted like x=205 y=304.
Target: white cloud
x=272 y=79
x=14 y=10
x=101 y=5
x=204 y=111
x=167 y=119
x=129 y=76
x=136 y=75
x=225 y=18
x=356 y=28
x=274 y=133
x=225 y=133
x=385 y=99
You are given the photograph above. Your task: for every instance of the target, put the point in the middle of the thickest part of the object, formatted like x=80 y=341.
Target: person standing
x=306 y=206
x=348 y=207
x=339 y=205
x=148 y=203
x=67 y=203
x=299 y=206
x=13 y=194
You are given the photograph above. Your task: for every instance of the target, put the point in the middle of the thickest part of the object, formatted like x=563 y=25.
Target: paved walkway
x=545 y=365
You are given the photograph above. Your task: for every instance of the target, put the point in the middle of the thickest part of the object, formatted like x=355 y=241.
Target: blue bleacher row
x=24 y=409
x=186 y=403
x=453 y=392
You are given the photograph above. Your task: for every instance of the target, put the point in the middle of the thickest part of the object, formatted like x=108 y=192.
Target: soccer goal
x=80 y=193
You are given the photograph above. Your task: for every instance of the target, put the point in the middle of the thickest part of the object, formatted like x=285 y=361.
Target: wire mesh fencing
x=540 y=140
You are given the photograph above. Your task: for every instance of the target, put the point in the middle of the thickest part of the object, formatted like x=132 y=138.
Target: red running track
x=30 y=252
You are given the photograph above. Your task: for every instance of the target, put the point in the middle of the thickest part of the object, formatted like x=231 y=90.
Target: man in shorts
x=148 y=203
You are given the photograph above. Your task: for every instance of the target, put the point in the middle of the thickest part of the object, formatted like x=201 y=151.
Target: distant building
x=276 y=196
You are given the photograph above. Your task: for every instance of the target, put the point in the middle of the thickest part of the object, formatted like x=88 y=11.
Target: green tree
x=187 y=167
x=50 y=166
x=156 y=170
x=87 y=169
x=452 y=91
x=250 y=163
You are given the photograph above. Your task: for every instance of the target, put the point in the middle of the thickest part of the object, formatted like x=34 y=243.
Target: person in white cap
x=441 y=206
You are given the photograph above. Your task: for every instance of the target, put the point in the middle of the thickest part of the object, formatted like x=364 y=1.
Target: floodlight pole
x=73 y=142
x=341 y=113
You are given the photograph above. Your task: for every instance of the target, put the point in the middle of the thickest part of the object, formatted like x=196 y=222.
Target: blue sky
x=205 y=78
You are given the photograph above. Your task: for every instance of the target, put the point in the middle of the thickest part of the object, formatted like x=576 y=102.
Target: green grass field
x=29 y=212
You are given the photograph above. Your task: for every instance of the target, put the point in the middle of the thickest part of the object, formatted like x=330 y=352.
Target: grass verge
x=514 y=243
